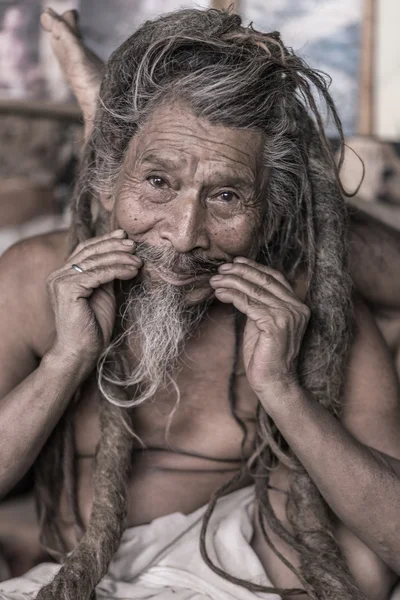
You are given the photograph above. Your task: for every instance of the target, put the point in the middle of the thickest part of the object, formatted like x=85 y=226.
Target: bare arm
x=34 y=396
x=29 y=413
x=355 y=464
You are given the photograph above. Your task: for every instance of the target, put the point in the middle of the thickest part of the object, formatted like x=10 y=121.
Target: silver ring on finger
x=77 y=268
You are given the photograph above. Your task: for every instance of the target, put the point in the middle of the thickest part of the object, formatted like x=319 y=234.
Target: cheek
x=239 y=239
x=132 y=213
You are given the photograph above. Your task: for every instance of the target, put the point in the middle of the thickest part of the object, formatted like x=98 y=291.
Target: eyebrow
x=228 y=179
x=236 y=181
x=165 y=163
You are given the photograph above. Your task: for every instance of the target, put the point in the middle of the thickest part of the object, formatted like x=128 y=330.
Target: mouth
x=181 y=280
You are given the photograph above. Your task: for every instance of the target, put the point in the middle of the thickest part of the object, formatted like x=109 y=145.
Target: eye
x=157 y=181
x=228 y=196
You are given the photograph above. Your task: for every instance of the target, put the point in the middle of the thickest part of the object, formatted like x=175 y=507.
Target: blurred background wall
x=354 y=41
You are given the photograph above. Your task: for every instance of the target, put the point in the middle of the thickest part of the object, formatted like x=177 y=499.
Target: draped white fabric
x=161 y=560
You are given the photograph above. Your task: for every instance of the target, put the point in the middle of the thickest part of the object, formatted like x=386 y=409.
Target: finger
x=258 y=277
x=264 y=269
x=271 y=295
x=118 y=234
x=95 y=260
x=109 y=258
x=253 y=310
x=261 y=314
x=81 y=285
x=103 y=249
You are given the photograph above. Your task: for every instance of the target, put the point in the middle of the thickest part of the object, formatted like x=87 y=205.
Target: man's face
x=191 y=188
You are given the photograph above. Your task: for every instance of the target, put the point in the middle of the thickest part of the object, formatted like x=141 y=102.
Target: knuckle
x=282 y=319
x=60 y=284
x=304 y=311
x=55 y=283
x=268 y=279
x=86 y=253
x=120 y=255
x=254 y=299
x=260 y=292
x=237 y=268
x=49 y=280
x=90 y=260
x=255 y=290
x=106 y=270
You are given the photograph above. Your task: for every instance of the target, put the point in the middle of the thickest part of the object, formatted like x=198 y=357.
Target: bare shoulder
x=371 y=409
x=34 y=256
x=375 y=261
x=24 y=268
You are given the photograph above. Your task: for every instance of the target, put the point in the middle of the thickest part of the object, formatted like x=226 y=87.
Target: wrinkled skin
x=375 y=249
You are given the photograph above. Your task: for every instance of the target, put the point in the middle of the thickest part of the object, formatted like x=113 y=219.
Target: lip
x=179 y=281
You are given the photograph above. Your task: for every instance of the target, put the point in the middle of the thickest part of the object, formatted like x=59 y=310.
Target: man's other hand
x=276 y=321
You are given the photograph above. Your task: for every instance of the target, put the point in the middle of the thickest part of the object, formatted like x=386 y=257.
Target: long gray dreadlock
x=238 y=77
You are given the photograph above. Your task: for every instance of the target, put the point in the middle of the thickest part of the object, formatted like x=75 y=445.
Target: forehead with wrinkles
x=176 y=138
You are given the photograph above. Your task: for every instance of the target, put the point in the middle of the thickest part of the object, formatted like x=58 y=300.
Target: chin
x=195 y=290
x=196 y=296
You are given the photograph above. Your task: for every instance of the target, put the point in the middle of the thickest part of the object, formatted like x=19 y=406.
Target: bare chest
x=187 y=449
x=213 y=397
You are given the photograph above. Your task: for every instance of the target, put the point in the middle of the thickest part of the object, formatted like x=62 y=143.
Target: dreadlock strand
x=49 y=479
x=249 y=81
x=230 y=485
x=69 y=471
x=329 y=298
x=89 y=561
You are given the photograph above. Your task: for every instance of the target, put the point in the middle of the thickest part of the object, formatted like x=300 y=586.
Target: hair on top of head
x=238 y=77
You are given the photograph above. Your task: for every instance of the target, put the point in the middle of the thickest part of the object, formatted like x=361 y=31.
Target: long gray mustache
x=167 y=259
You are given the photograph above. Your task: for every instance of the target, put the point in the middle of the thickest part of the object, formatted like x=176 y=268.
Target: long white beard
x=157 y=323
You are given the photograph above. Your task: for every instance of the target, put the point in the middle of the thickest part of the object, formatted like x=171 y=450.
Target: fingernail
x=240 y=259
x=118 y=233
x=128 y=242
x=216 y=278
x=225 y=267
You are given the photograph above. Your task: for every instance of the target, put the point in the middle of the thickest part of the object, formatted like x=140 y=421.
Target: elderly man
x=215 y=415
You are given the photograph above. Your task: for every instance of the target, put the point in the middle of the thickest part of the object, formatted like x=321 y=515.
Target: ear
x=81 y=68
x=103 y=214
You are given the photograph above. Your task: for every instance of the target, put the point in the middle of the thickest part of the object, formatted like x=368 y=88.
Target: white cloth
x=162 y=561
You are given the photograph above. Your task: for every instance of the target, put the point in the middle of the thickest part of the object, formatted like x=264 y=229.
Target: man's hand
x=84 y=302
x=276 y=321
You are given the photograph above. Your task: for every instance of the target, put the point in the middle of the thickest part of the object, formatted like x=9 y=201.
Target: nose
x=184 y=225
